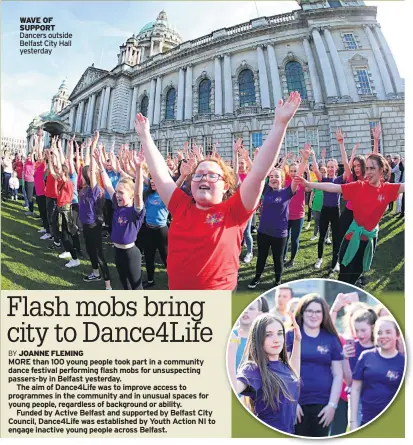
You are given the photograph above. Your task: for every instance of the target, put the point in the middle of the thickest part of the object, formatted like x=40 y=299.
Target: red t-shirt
x=369 y=202
x=64 y=192
x=18 y=166
x=204 y=245
x=296 y=208
x=50 y=190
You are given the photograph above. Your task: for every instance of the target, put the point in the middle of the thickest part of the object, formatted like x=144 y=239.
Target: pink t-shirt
x=28 y=171
x=39 y=173
x=297 y=203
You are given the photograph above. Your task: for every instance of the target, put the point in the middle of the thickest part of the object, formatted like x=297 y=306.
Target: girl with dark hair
x=91 y=202
x=268 y=379
x=370 y=199
x=28 y=176
x=321 y=367
x=206 y=230
x=377 y=375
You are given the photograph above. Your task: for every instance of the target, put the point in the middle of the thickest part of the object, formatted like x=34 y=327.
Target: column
x=92 y=101
x=218 y=86
x=71 y=118
x=157 y=111
x=133 y=108
x=390 y=59
x=104 y=120
x=102 y=98
x=85 y=127
x=229 y=99
x=338 y=67
x=80 y=116
x=181 y=95
x=275 y=75
x=188 y=93
x=262 y=70
x=151 y=101
x=151 y=50
x=328 y=76
x=312 y=68
x=388 y=87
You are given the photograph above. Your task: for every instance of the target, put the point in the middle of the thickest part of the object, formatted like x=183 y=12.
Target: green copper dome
x=147 y=27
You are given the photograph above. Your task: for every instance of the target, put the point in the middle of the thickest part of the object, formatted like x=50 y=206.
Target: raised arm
x=340 y=139
x=253 y=184
x=70 y=157
x=235 y=147
x=295 y=357
x=376 y=131
x=159 y=170
x=105 y=178
x=324 y=186
x=139 y=159
x=316 y=170
x=353 y=154
x=77 y=155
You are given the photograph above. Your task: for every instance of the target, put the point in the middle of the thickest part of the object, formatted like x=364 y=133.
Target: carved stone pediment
x=358 y=60
x=90 y=76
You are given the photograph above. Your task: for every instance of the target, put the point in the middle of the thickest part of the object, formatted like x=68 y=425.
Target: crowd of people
x=197 y=210
x=297 y=374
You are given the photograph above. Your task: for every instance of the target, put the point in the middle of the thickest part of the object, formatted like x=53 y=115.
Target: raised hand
x=353 y=152
x=97 y=155
x=187 y=167
x=306 y=152
x=339 y=136
x=139 y=158
x=88 y=142
x=323 y=153
x=244 y=153
x=112 y=147
x=141 y=124
x=95 y=137
x=257 y=150
x=376 y=131
x=297 y=330
x=285 y=111
x=237 y=144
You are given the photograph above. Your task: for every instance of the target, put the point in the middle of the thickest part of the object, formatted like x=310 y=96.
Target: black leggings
x=309 y=425
x=155 y=239
x=352 y=272
x=41 y=204
x=94 y=248
x=330 y=215
x=66 y=238
x=108 y=214
x=277 y=248
x=29 y=188
x=346 y=218
x=51 y=204
x=128 y=264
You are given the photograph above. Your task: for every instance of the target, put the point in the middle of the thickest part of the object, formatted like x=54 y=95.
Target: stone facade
x=343 y=62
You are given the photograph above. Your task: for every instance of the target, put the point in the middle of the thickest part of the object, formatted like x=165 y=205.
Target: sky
x=28 y=82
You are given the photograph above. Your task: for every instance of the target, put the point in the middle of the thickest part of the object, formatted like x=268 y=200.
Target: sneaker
x=328 y=241
x=42 y=230
x=253 y=229
x=65 y=256
x=108 y=288
x=105 y=235
x=54 y=246
x=318 y=264
x=337 y=268
x=254 y=283
x=247 y=258
x=93 y=277
x=313 y=238
x=25 y=207
x=289 y=264
x=46 y=236
x=73 y=263
x=29 y=213
x=307 y=227
x=148 y=284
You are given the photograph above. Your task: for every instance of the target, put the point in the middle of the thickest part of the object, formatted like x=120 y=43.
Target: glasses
x=210 y=177
x=311 y=313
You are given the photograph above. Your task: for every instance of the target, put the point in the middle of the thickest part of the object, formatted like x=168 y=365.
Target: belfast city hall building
x=225 y=85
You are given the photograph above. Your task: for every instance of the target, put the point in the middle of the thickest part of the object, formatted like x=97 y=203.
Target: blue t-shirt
x=73 y=180
x=317 y=353
x=240 y=350
x=274 y=217
x=359 y=349
x=381 y=378
x=156 y=210
x=284 y=417
x=332 y=199
x=114 y=179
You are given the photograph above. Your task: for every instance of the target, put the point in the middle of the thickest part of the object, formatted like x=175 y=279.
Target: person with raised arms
x=206 y=230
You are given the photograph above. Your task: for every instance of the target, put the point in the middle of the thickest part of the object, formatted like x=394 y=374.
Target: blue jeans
x=248 y=236
x=294 y=229
x=26 y=201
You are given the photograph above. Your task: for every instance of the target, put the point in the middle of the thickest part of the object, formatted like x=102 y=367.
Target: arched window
x=170 y=104
x=246 y=88
x=295 y=78
x=204 y=96
x=144 y=106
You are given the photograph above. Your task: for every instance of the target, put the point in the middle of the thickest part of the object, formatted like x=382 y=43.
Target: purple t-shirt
x=317 y=353
x=126 y=223
x=283 y=419
x=381 y=379
x=88 y=203
x=274 y=217
x=332 y=199
x=359 y=349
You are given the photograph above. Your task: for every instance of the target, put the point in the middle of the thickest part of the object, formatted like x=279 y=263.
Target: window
x=204 y=96
x=207 y=145
x=311 y=136
x=246 y=88
x=372 y=124
x=256 y=140
x=170 y=104
x=295 y=78
x=144 y=106
x=291 y=141
x=349 y=41
x=363 y=81
x=169 y=150
x=334 y=4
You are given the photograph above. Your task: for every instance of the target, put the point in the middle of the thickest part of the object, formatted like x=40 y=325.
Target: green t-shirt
x=317 y=201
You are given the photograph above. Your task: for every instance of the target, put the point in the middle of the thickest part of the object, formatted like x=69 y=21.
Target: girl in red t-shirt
x=206 y=230
x=370 y=199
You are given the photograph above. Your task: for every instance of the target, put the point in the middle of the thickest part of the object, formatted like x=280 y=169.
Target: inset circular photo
x=316 y=358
